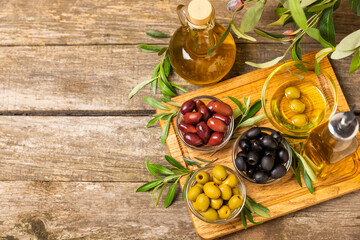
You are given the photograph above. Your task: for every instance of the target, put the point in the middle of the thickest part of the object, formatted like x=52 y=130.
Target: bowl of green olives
x=261 y=155
x=205 y=123
x=297 y=97
x=215 y=194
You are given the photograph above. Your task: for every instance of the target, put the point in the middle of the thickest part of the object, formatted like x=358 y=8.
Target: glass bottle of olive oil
x=329 y=148
x=189 y=45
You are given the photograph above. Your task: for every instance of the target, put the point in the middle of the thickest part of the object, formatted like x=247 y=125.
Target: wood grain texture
x=77 y=148
x=99 y=78
x=111 y=210
x=285 y=196
x=83 y=22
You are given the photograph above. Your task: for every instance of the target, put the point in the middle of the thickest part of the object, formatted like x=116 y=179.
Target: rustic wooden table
x=73 y=147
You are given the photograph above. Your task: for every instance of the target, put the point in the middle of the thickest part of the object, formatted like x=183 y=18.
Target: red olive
x=185 y=127
x=216 y=125
x=205 y=112
x=223 y=109
x=203 y=131
x=192 y=117
x=210 y=105
x=223 y=118
x=192 y=139
x=215 y=139
x=187 y=106
x=198 y=104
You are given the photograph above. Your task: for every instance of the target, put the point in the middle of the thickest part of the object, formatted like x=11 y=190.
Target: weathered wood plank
x=112 y=210
x=76 y=22
x=78 y=148
x=69 y=78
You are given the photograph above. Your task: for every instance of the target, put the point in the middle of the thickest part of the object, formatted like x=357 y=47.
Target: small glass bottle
x=330 y=146
x=191 y=42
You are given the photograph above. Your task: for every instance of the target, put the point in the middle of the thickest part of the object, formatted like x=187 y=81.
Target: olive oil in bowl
x=310 y=96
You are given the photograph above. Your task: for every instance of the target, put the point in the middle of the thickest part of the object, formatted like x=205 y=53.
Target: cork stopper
x=199 y=11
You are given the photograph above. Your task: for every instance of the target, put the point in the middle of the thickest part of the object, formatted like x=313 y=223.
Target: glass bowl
x=240 y=186
x=318 y=93
x=236 y=150
x=205 y=148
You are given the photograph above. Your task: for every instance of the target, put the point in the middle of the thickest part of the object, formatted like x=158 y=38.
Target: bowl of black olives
x=261 y=155
x=215 y=194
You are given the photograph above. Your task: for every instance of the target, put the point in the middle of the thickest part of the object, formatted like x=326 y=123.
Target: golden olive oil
x=310 y=95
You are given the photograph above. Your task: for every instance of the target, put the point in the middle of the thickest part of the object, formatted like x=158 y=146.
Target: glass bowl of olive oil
x=296 y=99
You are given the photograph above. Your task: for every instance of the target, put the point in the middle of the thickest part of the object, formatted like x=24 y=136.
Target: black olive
x=267 y=163
x=253 y=133
x=241 y=154
x=277 y=136
x=283 y=155
x=262 y=135
x=253 y=158
x=245 y=145
x=255 y=146
x=251 y=171
x=241 y=163
x=278 y=171
x=261 y=177
x=268 y=142
x=269 y=152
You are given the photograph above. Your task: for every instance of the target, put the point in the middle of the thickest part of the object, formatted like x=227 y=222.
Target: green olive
x=235 y=202
x=219 y=172
x=211 y=190
x=234 y=191
x=292 y=92
x=231 y=180
x=217 y=181
x=226 y=192
x=210 y=214
x=224 y=212
x=200 y=186
x=216 y=203
x=297 y=106
x=202 y=202
x=195 y=206
x=299 y=120
x=202 y=177
x=193 y=193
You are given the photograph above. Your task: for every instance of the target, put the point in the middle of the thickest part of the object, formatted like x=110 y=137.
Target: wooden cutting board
x=282 y=197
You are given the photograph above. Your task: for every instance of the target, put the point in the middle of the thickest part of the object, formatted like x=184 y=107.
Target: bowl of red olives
x=215 y=194
x=261 y=155
x=205 y=123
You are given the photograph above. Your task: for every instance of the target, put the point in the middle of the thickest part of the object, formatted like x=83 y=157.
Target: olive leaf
x=298 y=13
x=255 y=107
x=221 y=40
x=155 y=75
x=154 y=190
x=152 y=121
x=338 y=54
x=266 y=64
x=149 y=185
x=305 y=3
x=282 y=20
x=149 y=48
x=154 y=103
x=140 y=86
x=306 y=178
x=323 y=53
x=350 y=42
x=173 y=162
x=170 y=195
x=252 y=16
x=355 y=63
x=315 y=34
x=157 y=34
x=251 y=121
x=240 y=34
x=260 y=212
x=160 y=193
x=191 y=162
x=162 y=51
x=320 y=6
x=185 y=187
x=275 y=37
x=179 y=87
x=327 y=30
x=243 y=219
x=165 y=131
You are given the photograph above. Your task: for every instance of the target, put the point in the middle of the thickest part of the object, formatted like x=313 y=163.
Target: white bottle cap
x=199 y=11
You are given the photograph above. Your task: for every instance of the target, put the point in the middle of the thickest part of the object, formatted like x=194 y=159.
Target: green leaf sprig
x=178 y=171
x=313 y=17
x=161 y=71
x=300 y=167
x=251 y=206
x=164 y=115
